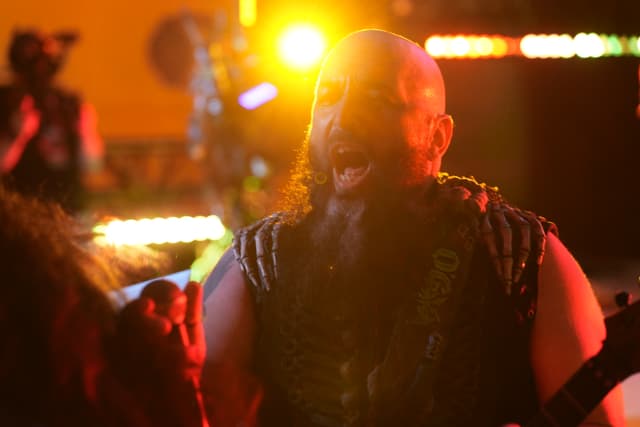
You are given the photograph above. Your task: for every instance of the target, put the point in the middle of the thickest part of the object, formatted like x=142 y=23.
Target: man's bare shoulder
x=568 y=328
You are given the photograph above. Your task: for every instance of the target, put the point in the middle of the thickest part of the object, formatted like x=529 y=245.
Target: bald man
x=381 y=303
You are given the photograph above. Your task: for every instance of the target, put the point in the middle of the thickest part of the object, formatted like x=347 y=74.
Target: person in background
x=49 y=143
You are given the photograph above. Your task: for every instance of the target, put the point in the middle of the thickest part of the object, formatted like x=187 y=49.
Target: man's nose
x=349 y=111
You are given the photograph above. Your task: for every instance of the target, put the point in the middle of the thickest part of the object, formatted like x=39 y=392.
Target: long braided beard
x=354 y=247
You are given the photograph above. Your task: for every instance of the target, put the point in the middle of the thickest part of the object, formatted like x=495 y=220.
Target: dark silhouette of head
x=54 y=315
x=36 y=57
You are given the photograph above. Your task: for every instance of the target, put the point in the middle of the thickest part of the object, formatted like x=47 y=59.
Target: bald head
x=393 y=60
x=378 y=116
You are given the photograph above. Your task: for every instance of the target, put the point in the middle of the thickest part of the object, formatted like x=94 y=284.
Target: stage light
x=530 y=46
x=483 y=46
x=613 y=45
x=257 y=95
x=160 y=230
x=583 y=45
x=301 y=46
x=436 y=46
x=588 y=45
x=247 y=12
x=460 y=46
x=566 y=48
x=500 y=47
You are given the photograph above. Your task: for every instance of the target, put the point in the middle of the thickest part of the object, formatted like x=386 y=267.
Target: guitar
x=618 y=359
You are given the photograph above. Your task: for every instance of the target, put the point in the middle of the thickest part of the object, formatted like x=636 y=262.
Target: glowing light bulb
x=460 y=46
x=530 y=46
x=436 y=46
x=301 y=46
x=588 y=45
x=483 y=46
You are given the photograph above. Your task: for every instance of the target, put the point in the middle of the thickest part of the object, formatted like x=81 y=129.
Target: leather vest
x=316 y=359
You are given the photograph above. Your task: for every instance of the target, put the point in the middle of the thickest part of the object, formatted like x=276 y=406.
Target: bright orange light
x=529 y=46
x=460 y=46
x=483 y=46
x=499 y=46
x=436 y=46
x=247 y=12
x=160 y=230
x=301 y=46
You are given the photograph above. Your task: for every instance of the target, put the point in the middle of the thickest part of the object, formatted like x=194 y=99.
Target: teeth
x=352 y=173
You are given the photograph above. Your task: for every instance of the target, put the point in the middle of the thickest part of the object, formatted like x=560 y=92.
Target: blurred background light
x=257 y=96
x=588 y=45
x=247 y=12
x=483 y=46
x=460 y=46
x=301 y=46
x=160 y=230
x=583 y=45
x=500 y=47
x=566 y=48
x=436 y=46
x=614 y=47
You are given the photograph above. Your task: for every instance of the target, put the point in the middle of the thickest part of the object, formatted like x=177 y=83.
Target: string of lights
x=582 y=45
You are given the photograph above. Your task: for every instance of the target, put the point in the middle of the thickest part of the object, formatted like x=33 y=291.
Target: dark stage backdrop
x=560 y=137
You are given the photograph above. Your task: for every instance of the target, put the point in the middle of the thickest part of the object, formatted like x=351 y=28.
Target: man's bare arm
x=230 y=323
x=568 y=329
x=232 y=392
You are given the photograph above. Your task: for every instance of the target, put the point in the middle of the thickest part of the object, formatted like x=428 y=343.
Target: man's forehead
x=363 y=70
x=373 y=54
x=385 y=59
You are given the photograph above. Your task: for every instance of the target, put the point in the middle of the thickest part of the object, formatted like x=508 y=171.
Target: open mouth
x=351 y=165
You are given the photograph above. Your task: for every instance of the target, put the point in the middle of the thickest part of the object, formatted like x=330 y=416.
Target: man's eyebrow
x=330 y=80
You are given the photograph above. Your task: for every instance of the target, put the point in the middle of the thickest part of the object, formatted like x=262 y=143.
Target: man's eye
x=328 y=94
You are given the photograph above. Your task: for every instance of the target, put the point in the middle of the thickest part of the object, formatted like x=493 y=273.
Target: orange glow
x=500 y=47
x=160 y=230
x=247 y=12
x=483 y=46
x=436 y=46
x=460 y=46
x=301 y=46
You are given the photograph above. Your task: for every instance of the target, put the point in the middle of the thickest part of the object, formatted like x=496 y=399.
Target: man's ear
x=441 y=138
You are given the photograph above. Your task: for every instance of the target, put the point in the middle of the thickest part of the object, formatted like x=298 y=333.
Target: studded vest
x=318 y=365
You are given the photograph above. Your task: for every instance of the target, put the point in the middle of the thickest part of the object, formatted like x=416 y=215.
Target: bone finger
x=489 y=239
